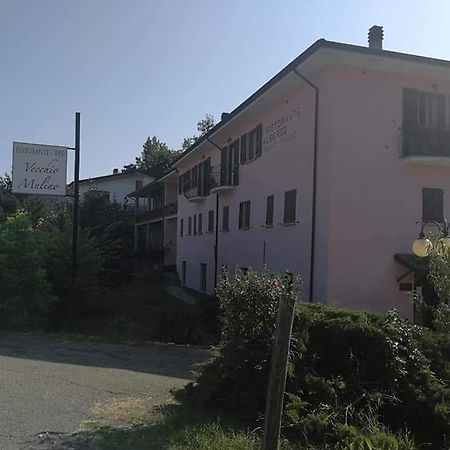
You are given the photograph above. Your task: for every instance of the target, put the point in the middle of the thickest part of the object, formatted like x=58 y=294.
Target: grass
x=169 y=427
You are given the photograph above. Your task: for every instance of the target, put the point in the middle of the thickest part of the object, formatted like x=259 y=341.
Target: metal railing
x=426 y=142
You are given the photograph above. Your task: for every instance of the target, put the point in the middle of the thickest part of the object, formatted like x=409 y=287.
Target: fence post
x=278 y=372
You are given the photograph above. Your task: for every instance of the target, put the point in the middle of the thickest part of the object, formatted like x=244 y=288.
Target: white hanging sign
x=39 y=169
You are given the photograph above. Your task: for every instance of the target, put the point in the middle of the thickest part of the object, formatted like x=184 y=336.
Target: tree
x=203 y=126
x=155 y=160
x=8 y=202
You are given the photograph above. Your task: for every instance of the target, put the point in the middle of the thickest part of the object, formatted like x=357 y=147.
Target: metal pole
x=76 y=201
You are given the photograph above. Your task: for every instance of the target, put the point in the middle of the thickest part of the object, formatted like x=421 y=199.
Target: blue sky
x=136 y=68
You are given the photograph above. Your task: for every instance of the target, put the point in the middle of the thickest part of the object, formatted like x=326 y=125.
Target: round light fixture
x=421 y=247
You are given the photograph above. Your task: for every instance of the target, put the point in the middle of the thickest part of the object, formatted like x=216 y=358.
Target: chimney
x=115 y=171
x=224 y=116
x=376 y=37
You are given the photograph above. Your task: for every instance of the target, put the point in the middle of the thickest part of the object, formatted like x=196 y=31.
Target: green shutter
x=269 y=210
x=258 y=149
x=243 y=150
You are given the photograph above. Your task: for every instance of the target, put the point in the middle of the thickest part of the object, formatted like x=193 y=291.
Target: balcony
x=223 y=180
x=426 y=146
x=195 y=194
x=147 y=215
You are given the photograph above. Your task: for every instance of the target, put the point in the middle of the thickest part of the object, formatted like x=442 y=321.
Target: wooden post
x=278 y=373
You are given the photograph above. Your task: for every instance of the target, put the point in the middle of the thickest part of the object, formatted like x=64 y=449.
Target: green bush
x=24 y=291
x=369 y=377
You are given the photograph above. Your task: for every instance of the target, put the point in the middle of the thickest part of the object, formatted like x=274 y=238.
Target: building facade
x=116 y=186
x=156 y=220
x=327 y=171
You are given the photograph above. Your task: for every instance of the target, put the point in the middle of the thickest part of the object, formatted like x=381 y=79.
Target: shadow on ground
x=161 y=359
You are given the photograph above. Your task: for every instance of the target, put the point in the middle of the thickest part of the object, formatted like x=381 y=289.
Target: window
x=183 y=273
x=269 y=211
x=138 y=184
x=189 y=226
x=181 y=227
x=211 y=221
x=196 y=180
x=225 y=218
x=427 y=110
x=200 y=223
x=244 y=215
x=432 y=205
x=203 y=277
x=229 y=164
x=290 y=200
x=195 y=223
x=251 y=145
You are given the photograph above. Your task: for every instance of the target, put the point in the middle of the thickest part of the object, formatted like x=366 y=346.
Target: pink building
x=326 y=171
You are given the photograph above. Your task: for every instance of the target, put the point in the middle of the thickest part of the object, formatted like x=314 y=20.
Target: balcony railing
x=223 y=180
x=157 y=213
x=426 y=143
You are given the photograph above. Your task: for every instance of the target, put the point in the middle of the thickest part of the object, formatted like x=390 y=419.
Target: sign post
x=76 y=202
x=42 y=170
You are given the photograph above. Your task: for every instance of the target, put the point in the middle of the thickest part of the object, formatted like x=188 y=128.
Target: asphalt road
x=50 y=385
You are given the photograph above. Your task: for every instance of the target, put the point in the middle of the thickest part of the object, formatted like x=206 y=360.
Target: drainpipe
x=216 y=242
x=314 y=183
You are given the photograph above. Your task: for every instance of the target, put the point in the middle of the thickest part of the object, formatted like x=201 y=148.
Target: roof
x=412 y=262
x=320 y=44
x=113 y=175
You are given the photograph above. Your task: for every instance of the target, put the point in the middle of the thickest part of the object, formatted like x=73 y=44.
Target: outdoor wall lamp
x=422 y=245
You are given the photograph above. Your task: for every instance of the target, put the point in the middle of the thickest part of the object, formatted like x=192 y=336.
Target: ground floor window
x=203 y=277
x=183 y=273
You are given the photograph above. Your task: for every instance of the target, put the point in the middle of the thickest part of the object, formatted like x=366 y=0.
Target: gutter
x=314 y=184
x=216 y=241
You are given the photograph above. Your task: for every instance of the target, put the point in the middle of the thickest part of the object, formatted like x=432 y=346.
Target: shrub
x=24 y=291
x=367 y=376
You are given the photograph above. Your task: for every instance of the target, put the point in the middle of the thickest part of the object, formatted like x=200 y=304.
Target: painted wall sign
x=39 y=169
x=281 y=129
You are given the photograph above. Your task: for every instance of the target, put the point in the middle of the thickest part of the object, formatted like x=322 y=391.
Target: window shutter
x=223 y=166
x=247 y=215
x=241 y=214
x=251 y=144
x=290 y=199
x=410 y=108
x=258 y=140
x=432 y=205
x=236 y=162
x=208 y=176
x=195 y=223
x=230 y=165
x=180 y=183
x=243 y=151
x=200 y=223
x=181 y=227
x=189 y=226
x=211 y=221
x=269 y=210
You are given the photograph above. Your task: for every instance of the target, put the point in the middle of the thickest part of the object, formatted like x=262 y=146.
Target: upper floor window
x=426 y=123
x=189 y=226
x=290 y=203
x=196 y=182
x=195 y=223
x=432 y=205
x=428 y=110
x=138 y=184
x=244 y=215
x=181 y=227
x=251 y=144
